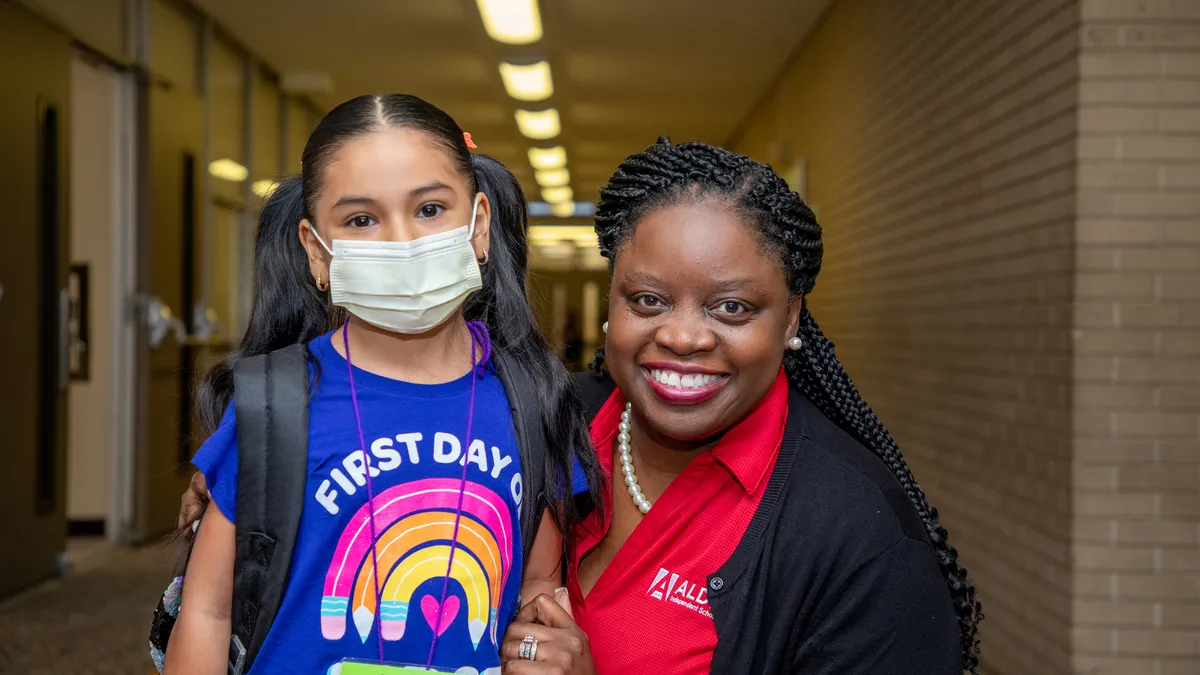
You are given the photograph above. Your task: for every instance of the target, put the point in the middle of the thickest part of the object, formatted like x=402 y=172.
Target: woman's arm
x=543 y=570
x=199 y=642
x=893 y=616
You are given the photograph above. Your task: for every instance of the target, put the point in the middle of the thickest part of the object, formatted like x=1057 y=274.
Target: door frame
x=120 y=525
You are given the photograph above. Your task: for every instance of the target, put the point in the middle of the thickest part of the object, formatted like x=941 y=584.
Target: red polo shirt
x=650 y=606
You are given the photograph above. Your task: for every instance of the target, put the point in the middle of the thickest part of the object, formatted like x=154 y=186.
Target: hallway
x=93 y=621
x=1009 y=197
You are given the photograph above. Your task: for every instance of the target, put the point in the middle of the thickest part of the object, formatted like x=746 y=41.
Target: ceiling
x=624 y=71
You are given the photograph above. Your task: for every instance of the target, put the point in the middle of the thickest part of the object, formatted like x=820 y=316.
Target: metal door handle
x=160 y=320
x=64 y=340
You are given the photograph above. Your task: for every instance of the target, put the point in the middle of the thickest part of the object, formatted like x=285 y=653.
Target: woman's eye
x=733 y=307
x=431 y=210
x=647 y=301
x=361 y=221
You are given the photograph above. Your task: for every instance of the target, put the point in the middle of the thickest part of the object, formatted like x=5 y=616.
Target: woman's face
x=699 y=318
x=391 y=185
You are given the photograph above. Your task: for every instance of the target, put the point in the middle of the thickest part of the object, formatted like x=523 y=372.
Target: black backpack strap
x=271 y=404
x=531 y=445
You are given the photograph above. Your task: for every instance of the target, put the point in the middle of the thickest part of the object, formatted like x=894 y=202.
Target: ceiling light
x=264 y=188
x=552 y=177
x=540 y=125
x=548 y=158
x=563 y=209
x=513 y=22
x=579 y=235
x=559 y=194
x=527 y=83
x=543 y=209
x=227 y=169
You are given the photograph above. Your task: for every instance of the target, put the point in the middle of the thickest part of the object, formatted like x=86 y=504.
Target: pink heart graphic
x=429 y=608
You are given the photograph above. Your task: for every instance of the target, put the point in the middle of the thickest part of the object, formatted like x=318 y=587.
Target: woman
x=754 y=527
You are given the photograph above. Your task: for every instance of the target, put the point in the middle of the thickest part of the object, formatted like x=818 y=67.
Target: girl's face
x=391 y=185
x=699 y=318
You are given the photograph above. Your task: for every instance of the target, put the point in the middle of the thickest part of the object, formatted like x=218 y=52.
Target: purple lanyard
x=479 y=338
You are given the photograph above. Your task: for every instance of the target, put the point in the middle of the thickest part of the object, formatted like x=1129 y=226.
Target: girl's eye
x=362 y=221
x=431 y=210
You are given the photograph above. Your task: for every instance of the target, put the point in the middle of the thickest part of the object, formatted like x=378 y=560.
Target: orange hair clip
x=467 y=138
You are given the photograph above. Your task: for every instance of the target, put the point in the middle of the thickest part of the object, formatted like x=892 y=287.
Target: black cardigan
x=835 y=574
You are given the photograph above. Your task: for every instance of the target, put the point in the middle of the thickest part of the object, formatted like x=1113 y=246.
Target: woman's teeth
x=680 y=381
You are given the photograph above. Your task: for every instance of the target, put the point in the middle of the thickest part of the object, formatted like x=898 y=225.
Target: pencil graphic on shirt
x=485 y=536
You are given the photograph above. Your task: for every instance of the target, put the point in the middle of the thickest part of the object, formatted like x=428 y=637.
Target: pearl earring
x=604 y=327
x=795 y=344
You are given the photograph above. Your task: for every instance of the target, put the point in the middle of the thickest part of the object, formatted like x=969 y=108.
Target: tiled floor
x=93 y=621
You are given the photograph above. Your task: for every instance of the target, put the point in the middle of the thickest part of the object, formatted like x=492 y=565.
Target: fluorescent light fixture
x=527 y=83
x=227 y=169
x=540 y=125
x=583 y=236
x=552 y=177
x=548 y=158
x=558 y=194
x=563 y=209
x=542 y=209
x=513 y=22
x=264 y=188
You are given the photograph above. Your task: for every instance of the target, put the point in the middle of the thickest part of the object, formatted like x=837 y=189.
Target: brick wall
x=1010 y=191
x=1137 y=340
x=940 y=140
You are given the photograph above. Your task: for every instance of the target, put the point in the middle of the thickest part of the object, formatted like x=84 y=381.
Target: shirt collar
x=747 y=451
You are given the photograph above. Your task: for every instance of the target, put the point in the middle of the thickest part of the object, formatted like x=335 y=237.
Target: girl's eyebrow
x=356 y=200
x=362 y=200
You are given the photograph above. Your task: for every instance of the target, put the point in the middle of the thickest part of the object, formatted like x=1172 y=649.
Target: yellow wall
x=99 y=23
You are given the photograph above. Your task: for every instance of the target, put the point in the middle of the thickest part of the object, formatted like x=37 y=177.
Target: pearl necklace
x=623 y=438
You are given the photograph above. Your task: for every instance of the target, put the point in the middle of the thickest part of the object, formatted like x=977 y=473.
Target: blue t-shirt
x=416 y=437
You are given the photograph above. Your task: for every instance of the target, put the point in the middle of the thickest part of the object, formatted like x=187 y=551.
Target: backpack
x=271 y=404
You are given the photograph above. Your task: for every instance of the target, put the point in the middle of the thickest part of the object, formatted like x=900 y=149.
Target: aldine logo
x=670 y=587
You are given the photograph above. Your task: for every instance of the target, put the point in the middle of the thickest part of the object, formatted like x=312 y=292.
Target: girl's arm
x=199 y=642
x=543 y=570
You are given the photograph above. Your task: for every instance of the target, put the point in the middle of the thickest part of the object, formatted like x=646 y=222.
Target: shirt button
x=716 y=583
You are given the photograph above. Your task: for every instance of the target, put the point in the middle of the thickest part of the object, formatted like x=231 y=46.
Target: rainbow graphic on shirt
x=414 y=523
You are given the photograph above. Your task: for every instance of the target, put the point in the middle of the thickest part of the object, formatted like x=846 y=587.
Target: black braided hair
x=667 y=174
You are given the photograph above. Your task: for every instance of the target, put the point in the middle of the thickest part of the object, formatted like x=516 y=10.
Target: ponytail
x=502 y=305
x=287 y=309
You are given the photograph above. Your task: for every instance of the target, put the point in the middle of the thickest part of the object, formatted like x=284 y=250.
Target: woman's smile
x=679 y=384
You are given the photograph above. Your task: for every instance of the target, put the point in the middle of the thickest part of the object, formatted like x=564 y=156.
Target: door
x=167 y=250
x=33 y=296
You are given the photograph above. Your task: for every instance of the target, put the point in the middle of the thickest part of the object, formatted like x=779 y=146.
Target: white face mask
x=407 y=286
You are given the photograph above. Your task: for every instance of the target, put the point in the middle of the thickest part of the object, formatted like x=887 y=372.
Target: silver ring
x=528 y=649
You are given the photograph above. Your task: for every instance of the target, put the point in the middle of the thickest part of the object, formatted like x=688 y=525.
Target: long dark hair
x=289 y=309
x=667 y=174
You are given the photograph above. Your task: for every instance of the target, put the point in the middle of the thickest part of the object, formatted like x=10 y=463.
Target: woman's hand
x=192 y=503
x=562 y=647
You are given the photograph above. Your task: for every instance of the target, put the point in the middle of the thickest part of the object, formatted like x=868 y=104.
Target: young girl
x=409 y=547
